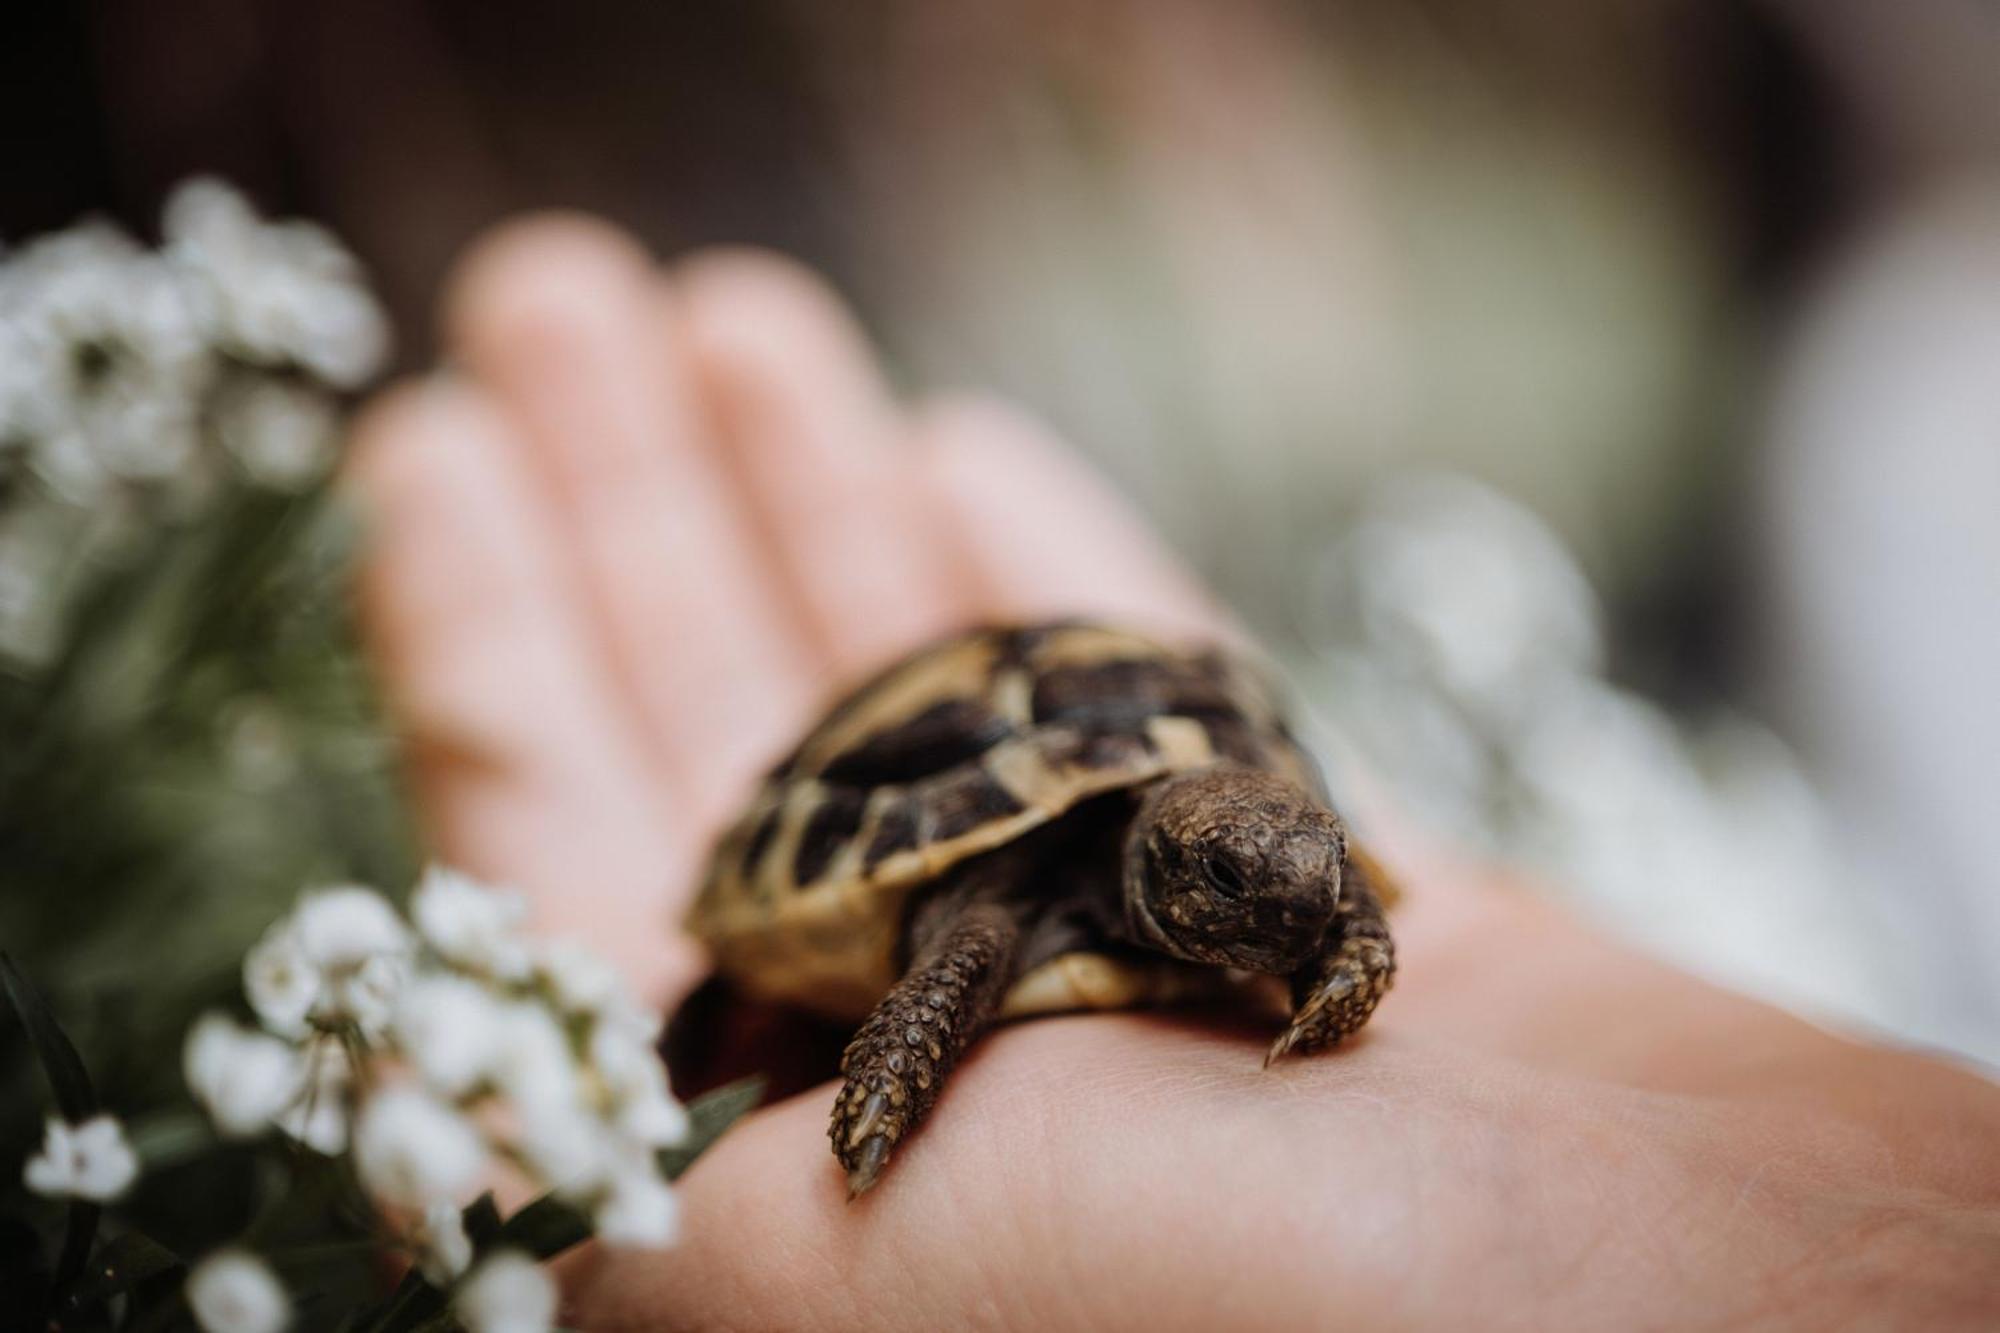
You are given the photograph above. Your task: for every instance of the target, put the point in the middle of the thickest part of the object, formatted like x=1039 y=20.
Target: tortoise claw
x=867 y=1167
x=1283 y=1046
x=869 y=1119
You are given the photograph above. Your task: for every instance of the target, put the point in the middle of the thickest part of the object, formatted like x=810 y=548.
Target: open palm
x=653 y=518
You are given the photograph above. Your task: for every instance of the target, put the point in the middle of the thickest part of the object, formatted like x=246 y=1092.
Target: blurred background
x=1596 y=404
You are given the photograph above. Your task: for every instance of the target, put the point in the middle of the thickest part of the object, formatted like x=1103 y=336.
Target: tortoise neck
x=1134 y=880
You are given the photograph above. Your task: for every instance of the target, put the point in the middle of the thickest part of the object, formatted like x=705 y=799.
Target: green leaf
x=708 y=1116
x=414 y=1301
x=64 y=1067
x=482 y=1220
x=123 y=1263
x=545 y=1228
x=75 y=1097
x=444 y=1321
x=79 y=1233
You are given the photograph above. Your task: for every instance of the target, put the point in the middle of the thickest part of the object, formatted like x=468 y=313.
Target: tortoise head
x=1234 y=867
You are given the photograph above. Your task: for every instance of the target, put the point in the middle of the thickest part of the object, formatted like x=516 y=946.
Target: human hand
x=624 y=554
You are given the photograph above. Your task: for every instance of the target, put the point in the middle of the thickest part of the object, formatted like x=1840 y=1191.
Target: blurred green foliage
x=204 y=742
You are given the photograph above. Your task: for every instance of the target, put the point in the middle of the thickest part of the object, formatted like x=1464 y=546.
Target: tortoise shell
x=954 y=751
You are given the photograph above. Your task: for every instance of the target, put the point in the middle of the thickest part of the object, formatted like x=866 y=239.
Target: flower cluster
x=441 y=1055
x=185 y=720
x=135 y=377
x=91 y=1161
x=110 y=352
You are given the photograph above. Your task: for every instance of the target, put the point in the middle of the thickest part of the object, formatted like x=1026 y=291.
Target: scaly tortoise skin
x=1032 y=819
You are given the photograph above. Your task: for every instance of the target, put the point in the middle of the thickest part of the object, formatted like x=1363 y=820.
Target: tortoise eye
x=1225 y=878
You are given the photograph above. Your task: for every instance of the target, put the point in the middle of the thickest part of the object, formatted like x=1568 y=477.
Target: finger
x=1046 y=536
x=521 y=763
x=563 y=318
x=820 y=448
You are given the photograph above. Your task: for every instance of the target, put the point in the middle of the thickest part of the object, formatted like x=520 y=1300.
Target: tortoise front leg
x=899 y=1059
x=1334 y=994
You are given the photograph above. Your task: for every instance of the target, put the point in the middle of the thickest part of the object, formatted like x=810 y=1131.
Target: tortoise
x=1030 y=819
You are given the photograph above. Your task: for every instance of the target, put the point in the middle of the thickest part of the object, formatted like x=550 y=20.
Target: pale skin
x=622 y=554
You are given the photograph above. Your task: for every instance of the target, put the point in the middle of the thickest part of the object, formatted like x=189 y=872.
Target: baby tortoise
x=1033 y=819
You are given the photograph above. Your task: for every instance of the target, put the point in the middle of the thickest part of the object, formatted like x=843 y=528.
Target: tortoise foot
x=1334 y=995
x=898 y=1061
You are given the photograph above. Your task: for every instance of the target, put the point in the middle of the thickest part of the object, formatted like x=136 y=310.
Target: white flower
x=136 y=433
x=233 y=1291
x=508 y=1293
x=280 y=980
x=445 y=1249
x=566 y=1146
x=66 y=459
x=111 y=355
x=87 y=1161
x=653 y=1117
x=584 y=984
x=348 y=338
x=635 y=1080
x=318 y=1118
x=275 y=292
x=470 y=924
x=203 y=209
x=283 y=434
x=365 y=995
x=412 y=1149
x=340 y=957
x=452 y=1029
x=345 y=926
x=158 y=319
x=142 y=426
x=581 y=981
x=243 y=1079
x=25 y=390
x=640 y=1211
x=535 y=1065
x=107 y=364
x=563 y=1140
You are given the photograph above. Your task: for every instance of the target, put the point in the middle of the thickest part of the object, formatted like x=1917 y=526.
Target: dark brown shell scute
x=1127 y=691
x=962 y=801
x=835 y=820
x=762 y=834
x=948 y=733
x=1019 y=643
x=896 y=831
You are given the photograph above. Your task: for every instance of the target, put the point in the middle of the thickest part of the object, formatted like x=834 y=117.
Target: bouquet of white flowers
x=393 y=1079
x=253 y=1125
